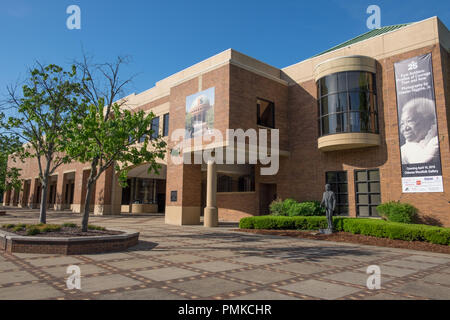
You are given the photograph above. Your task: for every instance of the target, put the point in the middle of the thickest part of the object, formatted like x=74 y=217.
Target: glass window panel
x=342 y=102
x=363 y=199
x=371 y=102
x=340 y=122
x=343 y=210
x=332 y=103
x=266 y=113
x=342 y=81
x=144 y=191
x=324 y=106
x=331 y=83
x=323 y=87
x=325 y=125
x=372 y=82
x=329 y=124
x=376 y=129
x=375 y=199
x=166 y=125
x=357 y=80
x=361 y=176
x=375 y=187
x=359 y=101
x=374 y=212
x=363 y=211
x=331 y=177
x=155 y=127
x=374 y=175
x=342 y=176
x=364 y=121
x=342 y=188
x=354 y=120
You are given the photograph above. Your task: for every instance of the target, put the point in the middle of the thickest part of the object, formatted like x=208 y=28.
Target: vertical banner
x=200 y=113
x=419 y=142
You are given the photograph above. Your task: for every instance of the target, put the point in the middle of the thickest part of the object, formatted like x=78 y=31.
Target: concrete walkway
x=198 y=263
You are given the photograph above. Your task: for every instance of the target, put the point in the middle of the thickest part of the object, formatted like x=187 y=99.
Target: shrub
x=69 y=225
x=292 y=208
x=18 y=228
x=276 y=207
x=33 y=230
x=92 y=227
x=368 y=227
x=397 y=212
x=49 y=228
x=307 y=208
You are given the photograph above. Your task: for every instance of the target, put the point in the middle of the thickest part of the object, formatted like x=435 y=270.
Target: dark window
x=236 y=182
x=338 y=182
x=347 y=103
x=368 y=192
x=246 y=183
x=126 y=193
x=224 y=183
x=155 y=128
x=166 y=125
x=265 y=113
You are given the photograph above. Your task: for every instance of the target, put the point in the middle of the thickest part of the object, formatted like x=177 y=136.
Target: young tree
x=109 y=134
x=40 y=120
x=9 y=176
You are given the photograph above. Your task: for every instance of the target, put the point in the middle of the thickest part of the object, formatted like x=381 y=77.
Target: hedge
x=368 y=227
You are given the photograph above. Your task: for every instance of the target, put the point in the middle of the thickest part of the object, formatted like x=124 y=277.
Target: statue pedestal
x=326 y=231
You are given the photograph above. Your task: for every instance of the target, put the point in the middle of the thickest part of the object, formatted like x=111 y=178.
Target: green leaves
x=115 y=140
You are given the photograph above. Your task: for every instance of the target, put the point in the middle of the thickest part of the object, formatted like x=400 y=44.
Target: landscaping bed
x=357 y=226
x=355 y=238
x=53 y=230
x=63 y=239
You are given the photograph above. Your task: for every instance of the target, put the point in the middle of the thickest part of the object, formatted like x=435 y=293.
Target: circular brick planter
x=11 y=242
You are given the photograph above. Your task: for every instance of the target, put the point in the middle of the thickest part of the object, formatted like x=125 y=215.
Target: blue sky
x=164 y=37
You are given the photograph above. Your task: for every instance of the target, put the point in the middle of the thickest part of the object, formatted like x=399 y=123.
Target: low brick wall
x=67 y=246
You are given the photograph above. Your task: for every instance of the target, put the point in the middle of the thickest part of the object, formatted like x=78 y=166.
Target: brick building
x=338 y=120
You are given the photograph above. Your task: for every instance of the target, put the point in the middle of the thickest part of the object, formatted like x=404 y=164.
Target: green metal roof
x=365 y=36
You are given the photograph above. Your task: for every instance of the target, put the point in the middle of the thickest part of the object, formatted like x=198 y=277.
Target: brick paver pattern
x=193 y=262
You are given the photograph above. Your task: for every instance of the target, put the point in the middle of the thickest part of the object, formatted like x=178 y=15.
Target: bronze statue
x=329 y=202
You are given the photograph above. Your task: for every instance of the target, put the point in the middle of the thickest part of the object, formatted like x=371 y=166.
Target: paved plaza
x=193 y=262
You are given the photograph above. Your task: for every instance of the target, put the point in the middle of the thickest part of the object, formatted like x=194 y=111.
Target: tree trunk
x=87 y=205
x=43 y=209
x=87 y=201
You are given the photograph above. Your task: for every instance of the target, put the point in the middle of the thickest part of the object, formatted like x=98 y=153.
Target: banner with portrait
x=418 y=132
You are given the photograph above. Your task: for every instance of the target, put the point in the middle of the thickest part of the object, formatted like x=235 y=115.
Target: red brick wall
x=186 y=179
x=307 y=165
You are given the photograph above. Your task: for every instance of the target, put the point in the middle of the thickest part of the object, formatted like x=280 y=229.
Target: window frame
x=155 y=133
x=369 y=193
x=346 y=115
x=337 y=193
x=166 y=124
x=258 y=113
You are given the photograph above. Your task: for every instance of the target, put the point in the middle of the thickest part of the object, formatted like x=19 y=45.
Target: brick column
x=60 y=183
x=103 y=193
x=6 y=198
x=30 y=200
x=78 y=190
x=186 y=181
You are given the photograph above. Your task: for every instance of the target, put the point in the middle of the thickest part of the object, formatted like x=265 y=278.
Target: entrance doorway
x=267 y=193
